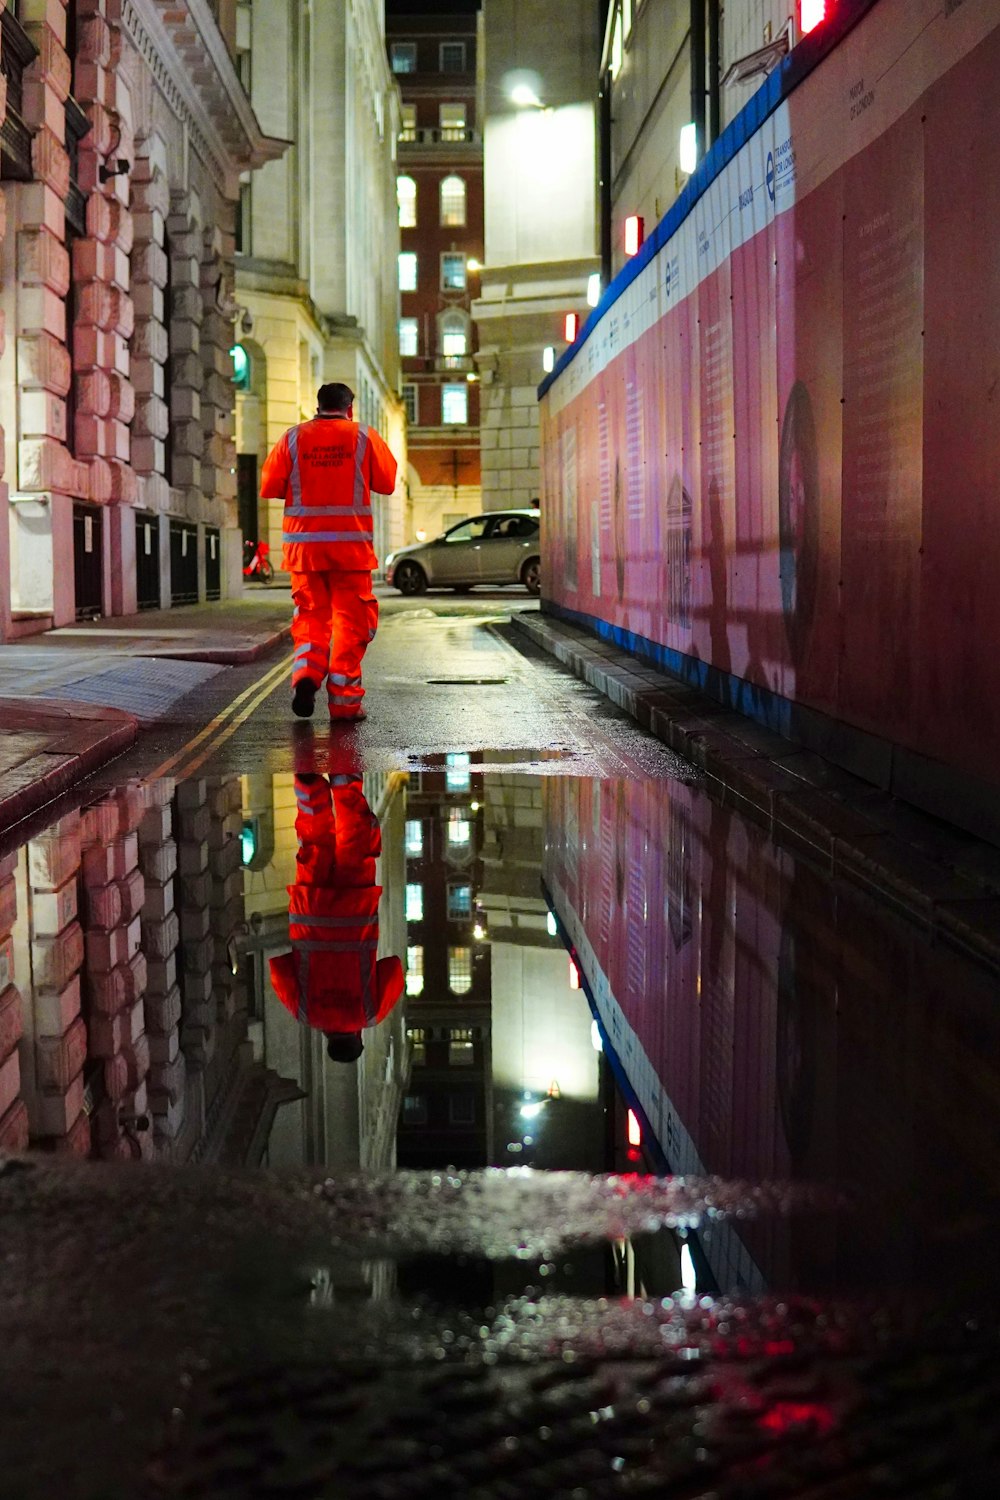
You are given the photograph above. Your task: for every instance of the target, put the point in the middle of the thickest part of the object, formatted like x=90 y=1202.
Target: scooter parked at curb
x=256 y=562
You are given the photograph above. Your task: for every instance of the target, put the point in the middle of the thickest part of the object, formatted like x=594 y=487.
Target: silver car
x=501 y=546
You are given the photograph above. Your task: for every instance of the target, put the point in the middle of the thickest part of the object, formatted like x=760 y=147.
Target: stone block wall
x=116 y=970
x=54 y=1039
x=161 y=937
x=13 y=1110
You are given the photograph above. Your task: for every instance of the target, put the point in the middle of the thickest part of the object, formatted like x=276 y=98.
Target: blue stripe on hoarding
x=760 y=704
x=776 y=88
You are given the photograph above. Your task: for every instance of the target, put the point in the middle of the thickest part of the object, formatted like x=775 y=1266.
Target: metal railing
x=443 y=135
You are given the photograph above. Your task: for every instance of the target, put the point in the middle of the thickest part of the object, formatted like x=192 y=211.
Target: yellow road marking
x=266 y=685
x=267 y=688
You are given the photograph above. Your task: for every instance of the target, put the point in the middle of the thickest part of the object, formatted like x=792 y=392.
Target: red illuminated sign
x=633 y=233
x=571 y=327
x=811 y=12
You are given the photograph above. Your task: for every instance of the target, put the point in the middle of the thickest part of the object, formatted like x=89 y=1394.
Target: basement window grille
x=17 y=52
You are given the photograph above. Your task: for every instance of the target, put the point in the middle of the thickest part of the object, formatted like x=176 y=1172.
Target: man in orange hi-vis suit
x=325 y=470
x=331 y=979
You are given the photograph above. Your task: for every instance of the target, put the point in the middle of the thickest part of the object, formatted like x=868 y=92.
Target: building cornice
x=191 y=66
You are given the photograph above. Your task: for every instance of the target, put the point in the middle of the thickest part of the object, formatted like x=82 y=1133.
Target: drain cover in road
x=466 y=681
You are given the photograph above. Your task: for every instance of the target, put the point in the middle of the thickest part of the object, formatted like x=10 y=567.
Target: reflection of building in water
x=447 y=1115
x=346 y=1115
x=546 y=1072
x=115 y=981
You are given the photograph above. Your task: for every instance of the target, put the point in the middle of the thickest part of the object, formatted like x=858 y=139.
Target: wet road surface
x=668 y=1167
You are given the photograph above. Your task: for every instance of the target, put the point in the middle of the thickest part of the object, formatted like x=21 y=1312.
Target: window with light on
x=403 y=57
x=452 y=122
x=407 y=271
x=460 y=970
x=407 y=337
x=459 y=901
x=414 y=837
x=459 y=828
x=406 y=198
x=457 y=776
x=452 y=201
x=453 y=275
x=454 y=404
x=414 y=903
x=415 y=969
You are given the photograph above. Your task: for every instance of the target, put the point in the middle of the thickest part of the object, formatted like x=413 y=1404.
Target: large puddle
x=545 y=972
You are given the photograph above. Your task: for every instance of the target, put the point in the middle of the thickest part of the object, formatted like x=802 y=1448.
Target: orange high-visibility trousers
x=335 y=619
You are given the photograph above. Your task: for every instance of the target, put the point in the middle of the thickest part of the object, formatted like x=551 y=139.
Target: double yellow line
x=223 y=726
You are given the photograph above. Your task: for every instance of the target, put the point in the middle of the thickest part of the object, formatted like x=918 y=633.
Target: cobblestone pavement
x=156 y=1340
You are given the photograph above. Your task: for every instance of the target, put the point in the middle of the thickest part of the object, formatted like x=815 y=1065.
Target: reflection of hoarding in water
x=782 y=433
x=773 y=1027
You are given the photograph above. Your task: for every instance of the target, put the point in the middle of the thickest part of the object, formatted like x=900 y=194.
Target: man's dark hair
x=344 y=1046
x=334 y=397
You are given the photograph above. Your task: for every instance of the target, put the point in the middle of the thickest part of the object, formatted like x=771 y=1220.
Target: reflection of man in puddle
x=331 y=979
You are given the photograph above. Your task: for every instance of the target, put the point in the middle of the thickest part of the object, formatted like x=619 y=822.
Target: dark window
x=77 y=126
x=462 y=1109
x=415 y=1109
x=411 y=401
x=452 y=57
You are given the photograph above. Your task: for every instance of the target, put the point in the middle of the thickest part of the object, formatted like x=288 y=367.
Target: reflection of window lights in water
x=459 y=828
x=460 y=970
x=457 y=778
x=418 y=1045
x=461 y=1049
x=414 y=1109
x=459 y=901
x=462 y=1109
x=415 y=969
x=414 y=903
x=414 y=843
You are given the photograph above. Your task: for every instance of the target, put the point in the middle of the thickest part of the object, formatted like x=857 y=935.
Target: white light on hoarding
x=548 y=358
x=689 y=148
x=594 y=289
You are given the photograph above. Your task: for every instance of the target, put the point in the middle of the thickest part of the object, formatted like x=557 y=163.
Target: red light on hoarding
x=571 y=327
x=633 y=234
x=574 y=976
x=634 y=1129
x=811 y=12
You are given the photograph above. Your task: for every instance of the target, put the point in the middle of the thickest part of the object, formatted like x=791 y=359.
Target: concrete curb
x=83 y=738
x=230 y=656
x=942 y=879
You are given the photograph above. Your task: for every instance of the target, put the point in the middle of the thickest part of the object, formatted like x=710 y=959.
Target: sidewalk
x=939 y=876
x=74 y=698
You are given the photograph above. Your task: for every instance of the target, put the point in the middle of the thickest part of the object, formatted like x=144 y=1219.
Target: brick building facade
x=125 y=131
x=440 y=199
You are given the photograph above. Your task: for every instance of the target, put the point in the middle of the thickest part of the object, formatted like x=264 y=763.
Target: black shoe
x=304 y=698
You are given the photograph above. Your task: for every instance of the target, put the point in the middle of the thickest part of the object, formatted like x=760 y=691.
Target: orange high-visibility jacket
x=325 y=470
x=332 y=979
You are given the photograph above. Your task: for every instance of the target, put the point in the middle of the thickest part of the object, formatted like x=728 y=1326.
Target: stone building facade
x=125 y=131
x=317 y=240
x=539 y=123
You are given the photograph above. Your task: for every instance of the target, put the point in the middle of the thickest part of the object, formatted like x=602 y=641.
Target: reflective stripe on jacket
x=325 y=470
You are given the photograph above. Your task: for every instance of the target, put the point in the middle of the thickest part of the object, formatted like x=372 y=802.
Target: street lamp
x=524 y=96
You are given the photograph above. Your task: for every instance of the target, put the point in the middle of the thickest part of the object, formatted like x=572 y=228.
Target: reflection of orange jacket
x=325 y=470
x=331 y=979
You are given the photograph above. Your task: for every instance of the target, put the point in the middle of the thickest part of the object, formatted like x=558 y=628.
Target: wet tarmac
x=668 y=1167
